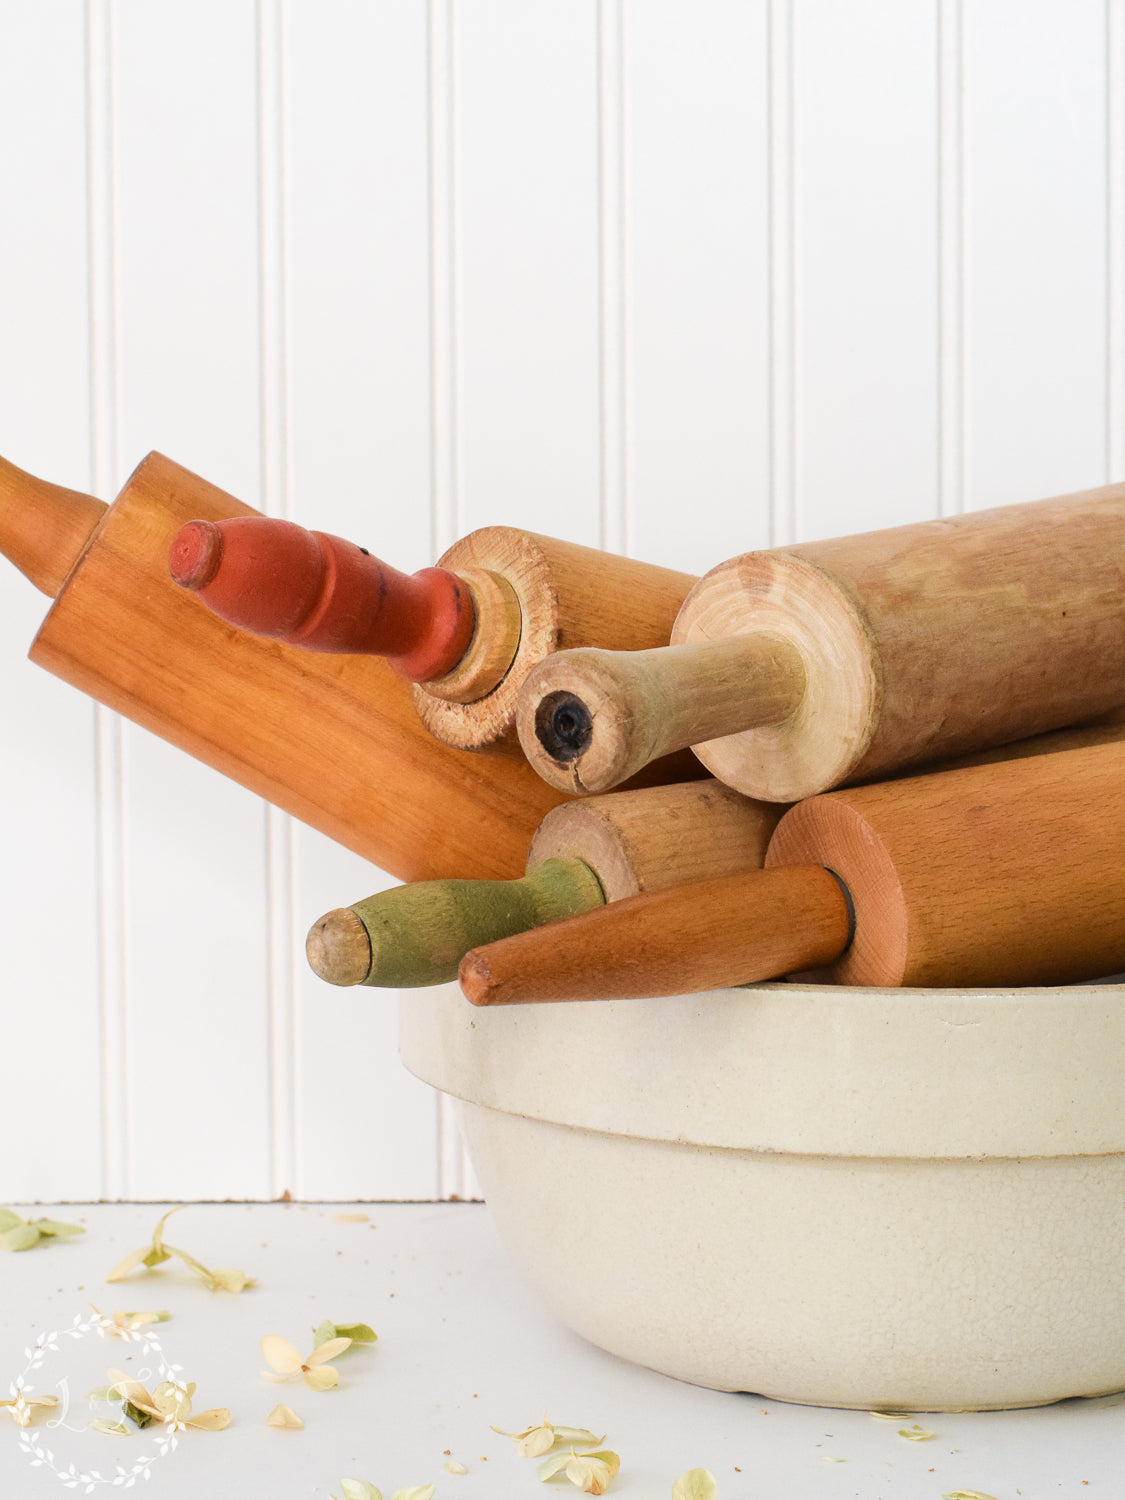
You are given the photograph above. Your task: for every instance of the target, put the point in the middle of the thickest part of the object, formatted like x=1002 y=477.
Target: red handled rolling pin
x=466 y=632
x=333 y=740
x=583 y=855
x=1011 y=873
x=797 y=670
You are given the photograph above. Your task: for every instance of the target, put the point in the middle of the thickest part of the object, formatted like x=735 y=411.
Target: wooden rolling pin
x=1011 y=873
x=333 y=740
x=583 y=855
x=467 y=632
x=831 y=662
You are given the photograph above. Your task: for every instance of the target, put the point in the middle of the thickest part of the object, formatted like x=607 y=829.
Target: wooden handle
x=589 y=719
x=703 y=936
x=334 y=740
x=567 y=596
x=924 y=642
x=324 y=593
x=416 y=934
x=1002 y=874
x=44 y=527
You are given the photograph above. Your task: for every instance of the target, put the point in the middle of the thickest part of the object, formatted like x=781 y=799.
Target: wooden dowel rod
x=44 y=527
x=703 y=936
x=589 y=719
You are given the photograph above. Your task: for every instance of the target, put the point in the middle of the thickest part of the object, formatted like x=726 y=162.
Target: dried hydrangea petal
x=695 y=1484
x=285 y=1417
x=967 y=1495
x=55 y=1228
x=22 y=1237
x=352 y=1218
x=328 y=1351
x=359 y=1489
x=322 y=1378
x=415 y=1492
x=592 y=1472
x=451 y=1466
x=9 y=1219
x=118 y=1429
x=280 y=1354
x=916 y=1434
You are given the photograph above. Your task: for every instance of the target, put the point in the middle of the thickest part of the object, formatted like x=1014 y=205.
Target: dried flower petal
x=9 y=1219
x=359 y=1489
x=916 y=1434
x=352 y=1218
x=592 y=1472
x=284 y=1416
x=55 y=1229
x=451 y=1466
x=415 y=1492
x=158 y=1252
x=24 y=1407
x=967 y=1495
x=281 y=1355
x=535 y=1441
x=356 y=1333
x=118 y=1429
x=696 y=1484
x=23 y=1237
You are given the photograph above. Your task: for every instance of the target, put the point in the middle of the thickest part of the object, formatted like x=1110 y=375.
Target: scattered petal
x=327 y=1351
x=284 y=1416
x=321 y=1377
x=916 y=1434
x=451 y=1466
x=54 y=1228
x=592 y=1472
x=9 y=1219
x=118 y=1429
x=967 y=1495
x=23 y=1237
x=535 y=1441
x=415 y=1492
x=352 y=1218
x=130 y=1263
x=281 y=1355
x=696 y=1484
x=359 y=1489
x=158 y=1252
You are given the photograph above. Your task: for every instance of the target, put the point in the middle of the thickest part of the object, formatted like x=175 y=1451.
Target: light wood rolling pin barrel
x=583 y=855
x=1006 y=874
x=334 y=740
x=796 y=670
x=466 y=632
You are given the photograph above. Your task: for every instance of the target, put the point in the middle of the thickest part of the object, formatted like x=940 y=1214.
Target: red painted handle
x=318 y=591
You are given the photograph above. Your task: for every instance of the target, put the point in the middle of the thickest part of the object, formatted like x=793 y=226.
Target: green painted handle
x=419 y=933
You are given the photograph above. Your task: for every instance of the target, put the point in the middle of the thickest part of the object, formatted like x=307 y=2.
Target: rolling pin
x=333 y=740
x=466 y=632
x=831 y=662
x=1011 y=873
x=583 y=855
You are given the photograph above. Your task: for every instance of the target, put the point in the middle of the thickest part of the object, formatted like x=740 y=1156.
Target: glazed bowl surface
x=882 y=1198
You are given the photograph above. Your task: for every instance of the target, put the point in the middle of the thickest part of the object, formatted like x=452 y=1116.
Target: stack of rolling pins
x=889 y=759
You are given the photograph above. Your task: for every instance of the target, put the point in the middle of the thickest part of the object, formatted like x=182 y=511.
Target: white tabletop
x=462 y=1345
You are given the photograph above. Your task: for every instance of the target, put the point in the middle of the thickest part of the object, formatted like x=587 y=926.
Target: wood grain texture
x=568 y=596
x=334 y=741
x=1002 y=874
x=43 y=526
x=659 y=837
x=706 y=935
x=925 y=641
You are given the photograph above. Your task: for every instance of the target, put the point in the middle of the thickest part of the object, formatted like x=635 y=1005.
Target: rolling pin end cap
x=195 y=554
x=338 y=948
x=475 y=977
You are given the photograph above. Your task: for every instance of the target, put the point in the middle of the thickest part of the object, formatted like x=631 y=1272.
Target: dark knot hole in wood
x=564 y=726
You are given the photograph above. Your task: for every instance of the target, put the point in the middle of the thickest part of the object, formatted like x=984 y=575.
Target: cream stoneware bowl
x=843 y=1197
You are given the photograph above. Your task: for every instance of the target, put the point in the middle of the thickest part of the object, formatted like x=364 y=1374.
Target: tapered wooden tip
x=338 y=948
x=319 y=591
x=44 y=528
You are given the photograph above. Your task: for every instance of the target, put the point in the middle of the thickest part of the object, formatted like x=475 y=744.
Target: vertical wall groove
x=282 y=955
x=612 y=349
x=109 y=735
x=444 y=414
x=952 y=473
x=784 y=479
x=1115 y=240
x=445 y=466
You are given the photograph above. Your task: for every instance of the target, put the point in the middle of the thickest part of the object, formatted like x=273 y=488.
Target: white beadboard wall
x=676 y=277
